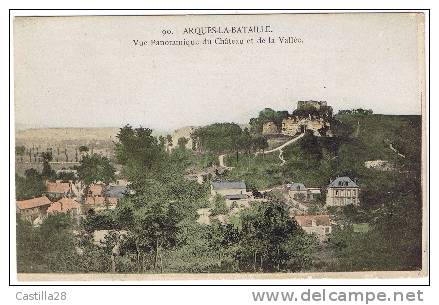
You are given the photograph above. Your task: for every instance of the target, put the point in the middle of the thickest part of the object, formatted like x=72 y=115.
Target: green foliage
x=394 y=242
x=359 y=111
x=219 y=206
x=47 y=172
x=267 y=115
x=182 y=142
x=83 y=149
x=98 y=221
x=138 y=151
x=218 y=137
x=48 y=248
x=66 y=176
x=20 y=150
x=30 y=186
x=270 y=240
x=260 y=172
x=94 y=168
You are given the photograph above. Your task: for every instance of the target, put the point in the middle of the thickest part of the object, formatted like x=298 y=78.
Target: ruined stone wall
x=294 y=125
x=270 y=128
x=290 y=126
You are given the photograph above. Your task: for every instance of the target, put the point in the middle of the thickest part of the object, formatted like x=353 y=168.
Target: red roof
x=63 y=205
x=112 y=200
x=96 y=189
x=95 y=200
x=58 y=187
x=307 y=220
x=33 y=203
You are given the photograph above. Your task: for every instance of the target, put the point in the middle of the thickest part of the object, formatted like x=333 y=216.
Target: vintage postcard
x=252 y=146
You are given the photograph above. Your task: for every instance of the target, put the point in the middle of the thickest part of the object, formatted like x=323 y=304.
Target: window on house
x=336 y=193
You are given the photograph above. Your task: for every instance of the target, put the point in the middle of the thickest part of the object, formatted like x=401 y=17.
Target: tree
x=270 y=240
x=95 y=168
x=47 y=172
x=169 y=141
x=20 y=150
x=267 y=115
x=138 y=151
x=83 y=149
x=162 y=141
x=182 y=142
x=218 y=138
x=260 y=143
x=29 y=186
x=47 y=248
x=219 y=206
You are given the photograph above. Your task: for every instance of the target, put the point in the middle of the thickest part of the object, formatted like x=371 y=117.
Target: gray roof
x=297 y=186
x=117 y=191
x=224 y=185
x=343 y=182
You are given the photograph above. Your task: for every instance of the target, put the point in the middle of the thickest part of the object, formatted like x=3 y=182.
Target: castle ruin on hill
x=315 y=116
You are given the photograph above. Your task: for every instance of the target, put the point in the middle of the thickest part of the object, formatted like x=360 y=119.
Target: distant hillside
x=83 y=135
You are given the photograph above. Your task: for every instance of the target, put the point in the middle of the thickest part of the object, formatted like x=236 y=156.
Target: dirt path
x=396 y=151
x=280 y=149
x=221 y=162
x=281 y=157
x=357 y=131
x=282 y=146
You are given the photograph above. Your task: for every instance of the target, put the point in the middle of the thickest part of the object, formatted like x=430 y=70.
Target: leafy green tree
x=218 y=138
x=219 y=206
x=47 y=248
x=267 y=115
x=47 y=172
x=260 y=143
x=182 y=142
x=270 y=240
x=29 y=186
x=162 y=141
x=138 y=151
x=95 y=168
x=83 y=149
x=20 y=150
x=169 y=141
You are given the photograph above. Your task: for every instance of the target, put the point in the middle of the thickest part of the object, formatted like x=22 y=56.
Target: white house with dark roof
x=299 y=191
x=342 y=191
x=231 y=190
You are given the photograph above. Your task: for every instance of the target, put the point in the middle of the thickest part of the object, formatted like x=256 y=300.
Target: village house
x=59 y=189
x=320 y=225
x=299 y=191
x=94 y=198
x=33 y=210
x=102 y=197
x=230 y=190
x=113 y=193
x=342 y=191
x=65 y=205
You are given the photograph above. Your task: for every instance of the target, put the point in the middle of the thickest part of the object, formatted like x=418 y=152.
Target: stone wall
x=293 y=125
x=270 y=128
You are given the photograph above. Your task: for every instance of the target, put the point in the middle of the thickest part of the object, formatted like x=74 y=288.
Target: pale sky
x=87 y=72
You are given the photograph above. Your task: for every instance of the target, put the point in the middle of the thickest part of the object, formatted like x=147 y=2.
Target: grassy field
x=261 y=172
